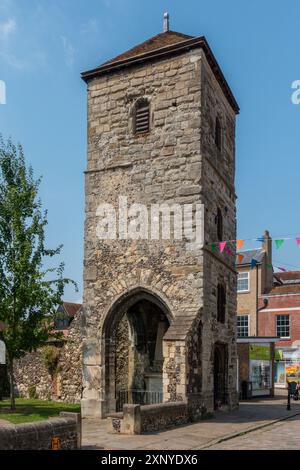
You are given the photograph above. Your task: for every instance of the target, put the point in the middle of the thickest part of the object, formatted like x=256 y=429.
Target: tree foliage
x=50 y=355
x=29 y=293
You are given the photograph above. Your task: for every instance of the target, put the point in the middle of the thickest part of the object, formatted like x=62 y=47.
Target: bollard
x=288 y=400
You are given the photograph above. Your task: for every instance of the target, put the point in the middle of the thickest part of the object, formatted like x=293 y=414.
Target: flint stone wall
x=137 y=419
x=66 y=385
x=38 y=435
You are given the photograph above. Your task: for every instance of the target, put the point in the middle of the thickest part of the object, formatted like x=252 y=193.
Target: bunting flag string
x=240 y=243
x=279 y=243
x=240 y=258
x=222 y=246
x=253 y=263
x=227 y=246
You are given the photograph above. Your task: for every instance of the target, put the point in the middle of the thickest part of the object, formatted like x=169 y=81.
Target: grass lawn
x=33 y=410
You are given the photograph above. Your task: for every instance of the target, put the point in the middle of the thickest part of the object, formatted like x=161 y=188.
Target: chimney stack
x=166 y=22
x=267 y=247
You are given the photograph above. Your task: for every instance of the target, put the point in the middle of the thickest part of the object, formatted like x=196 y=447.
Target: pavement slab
x=252 y=416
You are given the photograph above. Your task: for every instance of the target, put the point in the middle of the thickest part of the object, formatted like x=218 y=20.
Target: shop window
x=260 y=365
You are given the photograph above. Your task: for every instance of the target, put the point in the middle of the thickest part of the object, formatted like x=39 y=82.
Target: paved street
x=284 y=435
x=208 y=434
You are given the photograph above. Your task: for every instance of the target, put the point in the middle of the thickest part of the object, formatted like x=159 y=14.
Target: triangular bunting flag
x=213 y=246
x=282 y=269
x=297 y=241
x=239 y=244
x=222 y=246
x=270 y=266
x=279 y=243
x=229 y=251
x=260 y=239
x=240 y=258
x=253 y=263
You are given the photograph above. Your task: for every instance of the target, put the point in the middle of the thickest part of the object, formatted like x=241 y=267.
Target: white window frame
x=248 y=317
x=248 y=278
x=283 y=315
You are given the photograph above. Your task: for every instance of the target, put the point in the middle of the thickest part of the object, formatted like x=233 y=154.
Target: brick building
x=160 y=318
x=254 y=280
x=268 y=305
x=281 y=317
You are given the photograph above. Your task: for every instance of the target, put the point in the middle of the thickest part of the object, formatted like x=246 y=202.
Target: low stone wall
x=137 y=419
x=163 y=415
x=66 y=384
x=38 y=435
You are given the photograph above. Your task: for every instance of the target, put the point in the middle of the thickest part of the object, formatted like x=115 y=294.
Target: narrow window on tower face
x=219 y=222
x=218 y=133
x=141 y=118
x=221 y=303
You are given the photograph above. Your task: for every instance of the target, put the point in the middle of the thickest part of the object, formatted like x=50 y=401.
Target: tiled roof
x=159 y=47
x=285 y=289
x=249 y=255
x=287 y=283
x=289 y=277
x=71 y=308
x=160 y=40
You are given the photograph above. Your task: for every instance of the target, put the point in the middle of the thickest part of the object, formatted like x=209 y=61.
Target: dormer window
x=142 y=117
x=218 y=133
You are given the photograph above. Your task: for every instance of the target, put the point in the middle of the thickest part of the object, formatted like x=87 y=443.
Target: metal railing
x=138 y=397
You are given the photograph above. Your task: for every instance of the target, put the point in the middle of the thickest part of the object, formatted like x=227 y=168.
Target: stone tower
x=159 y=318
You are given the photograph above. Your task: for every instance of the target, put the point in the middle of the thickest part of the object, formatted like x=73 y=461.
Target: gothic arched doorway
x=134 y=335
x=220 y=375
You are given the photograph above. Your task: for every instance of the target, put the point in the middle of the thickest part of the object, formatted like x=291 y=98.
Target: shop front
x=256 y=366
x=287 y=366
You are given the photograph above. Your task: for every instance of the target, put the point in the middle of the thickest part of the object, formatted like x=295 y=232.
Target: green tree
x=29 y=293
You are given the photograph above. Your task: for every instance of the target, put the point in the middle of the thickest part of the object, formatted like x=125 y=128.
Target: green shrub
x=32 y=393
x=50 y=356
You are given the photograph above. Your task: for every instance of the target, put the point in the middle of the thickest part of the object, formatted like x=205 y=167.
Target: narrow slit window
x=218 y=134
x=221 y=303
x=142 y=117
x=219 y=222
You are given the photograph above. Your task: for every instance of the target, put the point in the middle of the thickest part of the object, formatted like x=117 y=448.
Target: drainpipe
x=256 y=329
x=266 y=303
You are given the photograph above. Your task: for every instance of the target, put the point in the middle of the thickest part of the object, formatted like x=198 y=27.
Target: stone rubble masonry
x=176 y=162
x=137 y=419
x=66 y=385
x=38 y=435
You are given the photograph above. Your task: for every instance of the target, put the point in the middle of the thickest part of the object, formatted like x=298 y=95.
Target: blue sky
x=44 y=45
